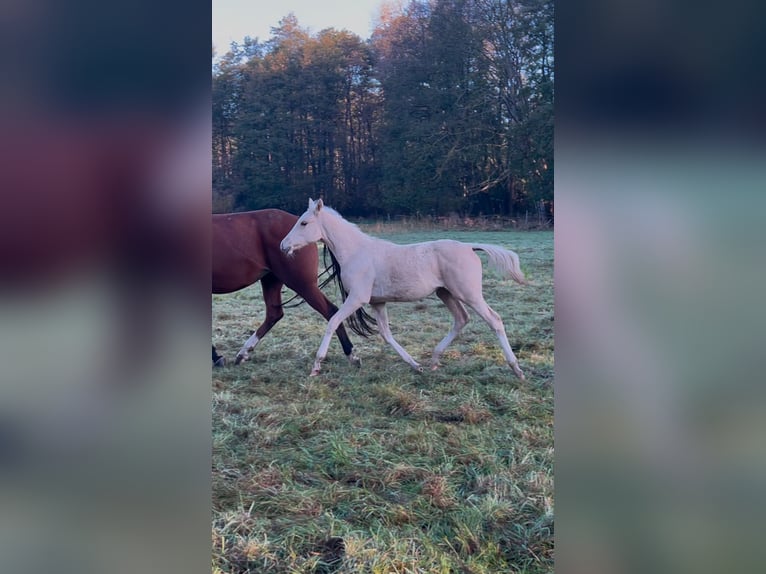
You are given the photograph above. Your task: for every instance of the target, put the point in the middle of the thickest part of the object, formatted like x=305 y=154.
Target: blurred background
x=659 y=270
x=104 y=286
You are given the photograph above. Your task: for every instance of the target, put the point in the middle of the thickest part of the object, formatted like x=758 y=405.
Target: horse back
x=245 y=246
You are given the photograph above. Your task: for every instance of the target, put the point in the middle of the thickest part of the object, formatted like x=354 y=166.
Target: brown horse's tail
x=361 y=322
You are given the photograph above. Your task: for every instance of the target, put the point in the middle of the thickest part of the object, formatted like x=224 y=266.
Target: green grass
x=382 y=469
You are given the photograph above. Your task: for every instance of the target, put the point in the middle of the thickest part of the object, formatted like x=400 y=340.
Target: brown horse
x=245 y=249
x=106 y=201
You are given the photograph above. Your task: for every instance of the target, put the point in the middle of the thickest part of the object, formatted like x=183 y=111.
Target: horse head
x=306 y=230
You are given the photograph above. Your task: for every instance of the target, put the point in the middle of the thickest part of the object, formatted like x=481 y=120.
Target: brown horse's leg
x=272 y=297
x=218 y=360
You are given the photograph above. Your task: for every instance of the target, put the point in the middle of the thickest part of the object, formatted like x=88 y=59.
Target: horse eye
x=303 y=224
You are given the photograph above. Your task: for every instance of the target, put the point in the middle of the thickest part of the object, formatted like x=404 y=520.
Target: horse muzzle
x=286 y=249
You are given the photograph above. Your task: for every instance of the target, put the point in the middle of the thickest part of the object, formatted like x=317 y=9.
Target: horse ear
x=319 y=204
x=311 y=203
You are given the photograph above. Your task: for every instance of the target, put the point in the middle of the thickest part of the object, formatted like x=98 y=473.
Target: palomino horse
x=377 y=271
x=245 y=249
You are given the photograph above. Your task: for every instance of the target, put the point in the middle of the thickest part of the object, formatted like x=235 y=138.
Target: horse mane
x=350 y=224
x=361 y=322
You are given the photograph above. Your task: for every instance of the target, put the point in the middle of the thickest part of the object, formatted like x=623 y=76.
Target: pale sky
x=235 y=19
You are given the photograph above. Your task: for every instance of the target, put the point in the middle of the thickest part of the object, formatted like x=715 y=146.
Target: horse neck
x=342 y=237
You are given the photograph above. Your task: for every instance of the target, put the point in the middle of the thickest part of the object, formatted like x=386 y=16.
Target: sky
x=235 y=19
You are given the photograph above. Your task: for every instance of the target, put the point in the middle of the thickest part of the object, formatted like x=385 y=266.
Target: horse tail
x=361 y=322
x=503 y=260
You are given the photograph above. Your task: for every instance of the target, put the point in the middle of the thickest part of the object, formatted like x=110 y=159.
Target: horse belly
x=402 y=288
x=238 y=275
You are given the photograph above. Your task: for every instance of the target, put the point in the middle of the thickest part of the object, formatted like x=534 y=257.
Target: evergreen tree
x=448 y=108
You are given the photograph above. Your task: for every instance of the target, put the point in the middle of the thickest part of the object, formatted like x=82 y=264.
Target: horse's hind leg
x=272 y=297
x=460 y=316
x=218 y=360
x=385 y=331
x=496 y=324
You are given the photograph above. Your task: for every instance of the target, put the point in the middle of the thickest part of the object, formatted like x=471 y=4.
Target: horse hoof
x=313 y=373
x=435 y=366
x=239 y=359
x=519 y=373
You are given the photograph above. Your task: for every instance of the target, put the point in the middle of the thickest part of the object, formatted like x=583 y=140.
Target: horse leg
x=324 y=307
x=349 y=306
x=382 y=317
x=218 y=360
x=272 y=297
x=496 y=324
x=460 y=316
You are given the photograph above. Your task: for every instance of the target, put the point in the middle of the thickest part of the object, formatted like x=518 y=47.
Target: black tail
x=361 y=322
x=289 y=303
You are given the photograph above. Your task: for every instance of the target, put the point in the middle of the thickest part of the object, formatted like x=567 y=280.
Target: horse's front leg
x=272 y=298
x=385 y=332
x=346 y=310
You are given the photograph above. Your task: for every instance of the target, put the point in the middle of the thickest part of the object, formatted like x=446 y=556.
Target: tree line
x=447 y=108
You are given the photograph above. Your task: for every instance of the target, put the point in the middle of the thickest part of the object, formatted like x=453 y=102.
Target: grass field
x=381 y=469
